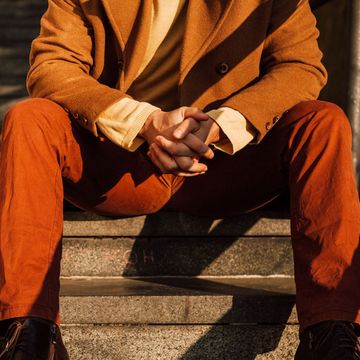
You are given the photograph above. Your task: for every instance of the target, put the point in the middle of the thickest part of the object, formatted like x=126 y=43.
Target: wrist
x=149 y=129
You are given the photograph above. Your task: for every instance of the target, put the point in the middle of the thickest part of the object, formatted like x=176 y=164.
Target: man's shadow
x=255 y=322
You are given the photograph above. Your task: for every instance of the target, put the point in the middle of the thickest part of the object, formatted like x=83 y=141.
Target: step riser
x=177 y=300
x=10 y=67
x=31 y=11
x=12 y=52
x=19 y=22
x=181 y=342
x=19 y=34
x=177 y=256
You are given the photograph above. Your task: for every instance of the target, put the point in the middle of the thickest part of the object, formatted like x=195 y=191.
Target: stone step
x=258 y=223
x=176 y=244
x=178 y=300
x=14 y=67
x=188 y=256
x=23 y=3
x=181 y=342
x=10 y=94
x=179 y=318
x=23 y=9
x=12 y=91
x=10 y=80
x=13 y=52
x=18 y=21
x=19 y=34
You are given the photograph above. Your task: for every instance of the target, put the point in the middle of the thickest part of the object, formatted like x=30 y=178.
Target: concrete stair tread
x=177 y=300
x=259 y=223
x=185 y=342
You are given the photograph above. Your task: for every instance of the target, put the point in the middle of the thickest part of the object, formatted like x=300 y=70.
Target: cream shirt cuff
x=238 y=130
x=122 y=122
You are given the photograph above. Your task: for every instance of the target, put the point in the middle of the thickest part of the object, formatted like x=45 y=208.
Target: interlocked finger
x=197 y=145
x=165 y=163
x=188 y=126
x=155 y=161
x=190 y=165
x=153 y=154
x=174 y=148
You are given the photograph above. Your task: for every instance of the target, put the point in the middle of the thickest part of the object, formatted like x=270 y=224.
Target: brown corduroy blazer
x=259 y=57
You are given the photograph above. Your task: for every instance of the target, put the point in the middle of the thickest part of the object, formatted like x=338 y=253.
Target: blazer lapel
x=203 y=20
x=130 y=21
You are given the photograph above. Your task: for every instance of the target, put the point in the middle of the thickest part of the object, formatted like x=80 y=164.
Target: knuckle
x=170 y=149
x=167 y=169
x=203 y=149
x=172 y=167
x=183 y=109
x=186 y=165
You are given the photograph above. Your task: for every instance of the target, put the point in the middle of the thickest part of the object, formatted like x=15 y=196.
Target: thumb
x=186 y=127
x=195 y=113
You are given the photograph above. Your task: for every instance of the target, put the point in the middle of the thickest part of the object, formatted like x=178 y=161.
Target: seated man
x=130 y=100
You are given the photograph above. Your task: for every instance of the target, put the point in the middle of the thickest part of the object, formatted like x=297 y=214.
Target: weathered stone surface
x=13 y=52
x=177 y=224
x=178 y=301
x=19 y=34
x=20 y=20
x=26 y=9
x=14 y=67
x=4 y=106
x=11 y=91
x=177 y=256
x=181 y=342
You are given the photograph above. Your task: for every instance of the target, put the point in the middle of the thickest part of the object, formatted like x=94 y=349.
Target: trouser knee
x=36 y=119
x=321 y=116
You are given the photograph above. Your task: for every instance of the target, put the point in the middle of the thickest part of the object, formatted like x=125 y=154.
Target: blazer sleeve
x=291 y=68
x=61 y=59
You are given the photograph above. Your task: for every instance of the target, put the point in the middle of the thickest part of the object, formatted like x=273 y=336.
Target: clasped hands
x=178 y=139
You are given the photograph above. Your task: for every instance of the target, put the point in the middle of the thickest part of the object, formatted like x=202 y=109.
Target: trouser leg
x=32 y=155
x=41 y=147
x=325 y=216
x=309 y=152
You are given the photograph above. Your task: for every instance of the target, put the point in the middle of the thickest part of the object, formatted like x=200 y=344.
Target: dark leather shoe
x=31 y=339
x=329 y=340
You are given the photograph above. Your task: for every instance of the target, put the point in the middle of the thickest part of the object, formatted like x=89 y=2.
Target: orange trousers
x=45 y=156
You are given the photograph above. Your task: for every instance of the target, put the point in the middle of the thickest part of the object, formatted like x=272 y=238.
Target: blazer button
x=222 y=68
x=276 y=119
x=75 y=115
x=268 y=126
